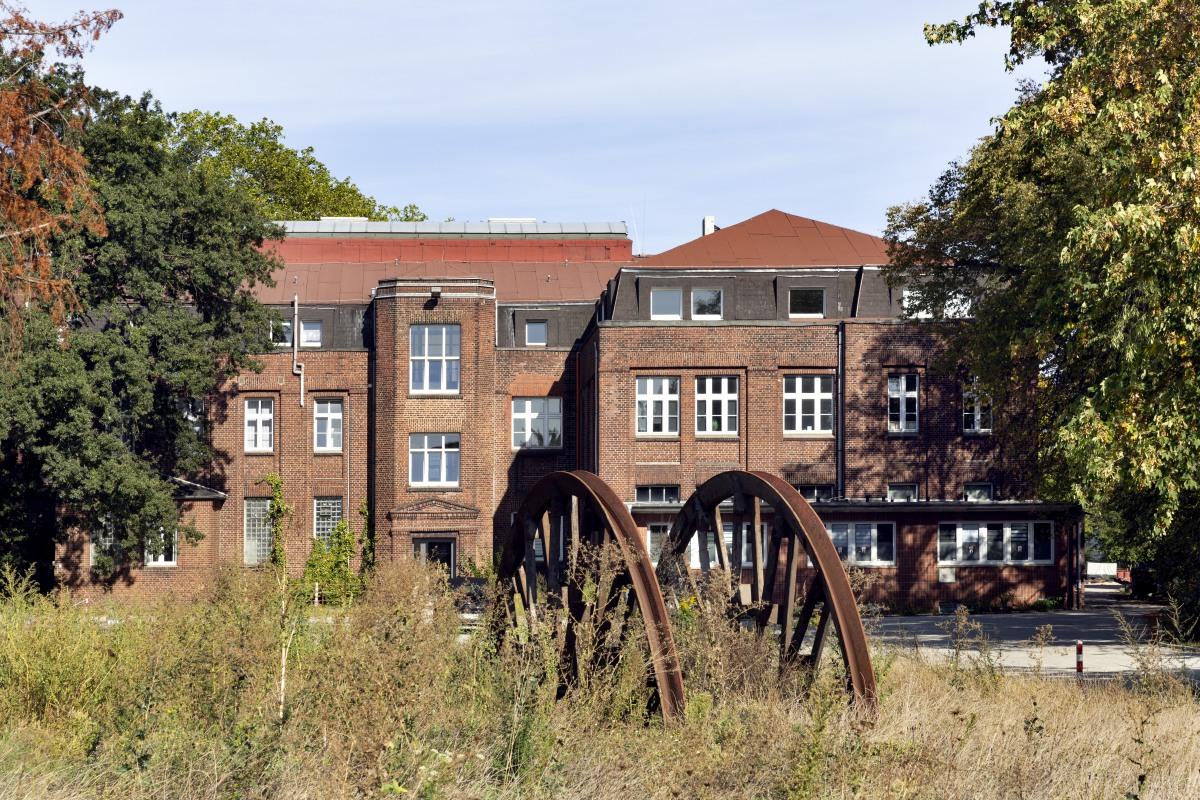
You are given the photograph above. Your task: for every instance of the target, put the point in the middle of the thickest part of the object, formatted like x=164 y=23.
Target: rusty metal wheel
x=560 y=513
x=794 y=525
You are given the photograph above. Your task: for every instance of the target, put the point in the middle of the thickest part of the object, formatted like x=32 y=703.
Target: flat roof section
x=342 y=226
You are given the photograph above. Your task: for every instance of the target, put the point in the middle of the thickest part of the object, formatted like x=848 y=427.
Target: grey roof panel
x=331 y=226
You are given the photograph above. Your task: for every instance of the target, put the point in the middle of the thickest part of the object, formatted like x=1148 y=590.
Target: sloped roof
x=775 y=239
x=516 y=281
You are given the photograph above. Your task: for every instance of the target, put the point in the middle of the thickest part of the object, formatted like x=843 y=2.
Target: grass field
x=248 y=693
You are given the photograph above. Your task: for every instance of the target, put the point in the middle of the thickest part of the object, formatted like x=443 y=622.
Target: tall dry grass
x=181 y=700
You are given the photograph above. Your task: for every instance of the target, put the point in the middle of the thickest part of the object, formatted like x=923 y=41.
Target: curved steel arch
x=592 y=512
x=794 y=522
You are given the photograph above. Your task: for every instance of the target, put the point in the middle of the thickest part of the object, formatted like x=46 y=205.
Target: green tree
x=1073 y=232
x=287 y=183
x=94 y=419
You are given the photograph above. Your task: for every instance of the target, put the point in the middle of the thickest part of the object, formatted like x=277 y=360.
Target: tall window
x=281 y=333
x=658 y=405
x=657 y=494
x=433 y=459
x=865 y=543
x=310 y=333
x=256 y=538
x=717 y=405
x=103 y=541
x=902 y=403
x=434 y=357
x=537 y=332
x=977 y=410
x=536 y=422
x=164 y=543
x=666 y=303
x=707 y=304
x=808 y=404
x=260 y=424
x=327 y=513
x=995 y=542
x=327 y=426
x=656 y=537
x=806 y=303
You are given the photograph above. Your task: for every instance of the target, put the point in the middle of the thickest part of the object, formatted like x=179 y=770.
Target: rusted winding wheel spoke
x=595 y=514
x=796 y=529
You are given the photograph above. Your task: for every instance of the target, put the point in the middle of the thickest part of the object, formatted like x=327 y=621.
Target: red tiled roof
x=775 y=239
x=516 y=281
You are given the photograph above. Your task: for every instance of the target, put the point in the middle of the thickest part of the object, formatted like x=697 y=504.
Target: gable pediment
x=434 y=507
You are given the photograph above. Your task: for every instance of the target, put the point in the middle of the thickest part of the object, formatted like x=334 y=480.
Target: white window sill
x=304 y=346
x=433 y=485
x=706 y=318
x=266 y=452
x=160 y=564
x=808 y=434
x=434 y=393
x=979 y=433
x=327 y=451
x=723 y=437
x=665 y=319
x=557 y=448
x=871 y=564
x=659 y=436
x=806 y=316
x=1050 y=563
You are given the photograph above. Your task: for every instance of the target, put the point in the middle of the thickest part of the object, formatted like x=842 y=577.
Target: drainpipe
x=840 y=428
x=297 y=368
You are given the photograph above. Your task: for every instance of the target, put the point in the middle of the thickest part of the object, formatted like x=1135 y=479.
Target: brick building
x=433 y=372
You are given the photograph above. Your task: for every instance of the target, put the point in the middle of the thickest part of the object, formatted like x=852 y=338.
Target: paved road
x=1106 y=650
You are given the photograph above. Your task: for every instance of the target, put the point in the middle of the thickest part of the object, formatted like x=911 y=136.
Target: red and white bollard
x=1079 y=657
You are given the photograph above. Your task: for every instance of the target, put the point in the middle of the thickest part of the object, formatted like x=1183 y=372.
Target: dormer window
x=666 y=303
x=310 y=333
x=707 y=304
x=281 y=333
x=806 y=303
x=536 y=333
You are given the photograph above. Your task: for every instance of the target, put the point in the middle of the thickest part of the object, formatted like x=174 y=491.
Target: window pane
x=536 y=332
x=666 y=303
x=862 y=542
x=1043 y=541
x=1018 y=541
x=947 y=542
x=885 y=542
x=970 y=542
x=706 y=303
x=807 y=302
x=840 y=532
x=995 y=541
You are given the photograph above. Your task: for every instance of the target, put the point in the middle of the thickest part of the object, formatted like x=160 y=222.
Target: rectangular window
x=909 y=299
x=433 y=459
x=666 y=303
x=717 y=406
x=327 y=513
x=864 y=543
x=256 y=539
x=537 y=332
x=193 y=413
x=434 y=359
x=658 y=406
x=327 y=426
x=806 y=303
x=902 y=491
x=707 y=304
x=656 y=537
x=977 y=492
x=808 y=404
x=310 y=333
x=815 y=492
x=977 y=411
x=260 y=424
x=281 y=333
x=902 y=403
x=657 y=494
x=437 y=551
x=103 y=542
x=536 y=422
x=165 y=557
x=995 y=542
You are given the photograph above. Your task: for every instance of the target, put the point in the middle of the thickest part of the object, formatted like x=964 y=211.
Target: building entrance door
x=437 y=551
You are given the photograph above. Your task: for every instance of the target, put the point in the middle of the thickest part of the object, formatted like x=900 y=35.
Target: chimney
x=708 y=225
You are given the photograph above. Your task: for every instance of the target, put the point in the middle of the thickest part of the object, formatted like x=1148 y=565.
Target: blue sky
x=650 y=112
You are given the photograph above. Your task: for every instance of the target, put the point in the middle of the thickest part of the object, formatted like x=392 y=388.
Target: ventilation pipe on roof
x=708 y=225
x=297 y=368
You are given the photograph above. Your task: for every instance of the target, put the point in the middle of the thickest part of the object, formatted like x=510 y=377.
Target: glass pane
x=1043 y=540
x=452 y=466
x=535 y=332
x=947 y=542
x=417 y=342
x=995 y=541
x=706 y=303
x=435 y=375
x=862 y=542
x=453 y=336
x=452 y=376
x=970 y=542
x=666 y=303
x=418 y=375
x=885 y=543
x=839 y=531
x=435 y=341
x=806 y=301
x=1018 y=541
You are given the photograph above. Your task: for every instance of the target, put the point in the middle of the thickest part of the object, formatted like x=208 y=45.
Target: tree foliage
x=45 y=191
x=287 y=183
x=1073 y=231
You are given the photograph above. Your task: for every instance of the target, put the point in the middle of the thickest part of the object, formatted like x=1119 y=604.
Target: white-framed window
x=707 y=304
x=281 y=333
x=256 y=531
x=657 y=406
x=327 y=513
x=166 y=546
x=536 y=423
x=433 y=459
x=666 y=303
x=977 y=492
x=977 y=410
x=310 y=333
x=434 y=359
x=903 y=411
x=899 y=492
x=102 y=541
x=806 y=303
x=193 y=411
x=815 y=492
x=808 y=404
x=260 y=425
x=656 y=539
x=717 y=405
x=1026 y=542
x=657 y=494
x=327 y=426
x=908 y=300
x=537 y=332
x=864 y=543
x=727 y=539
